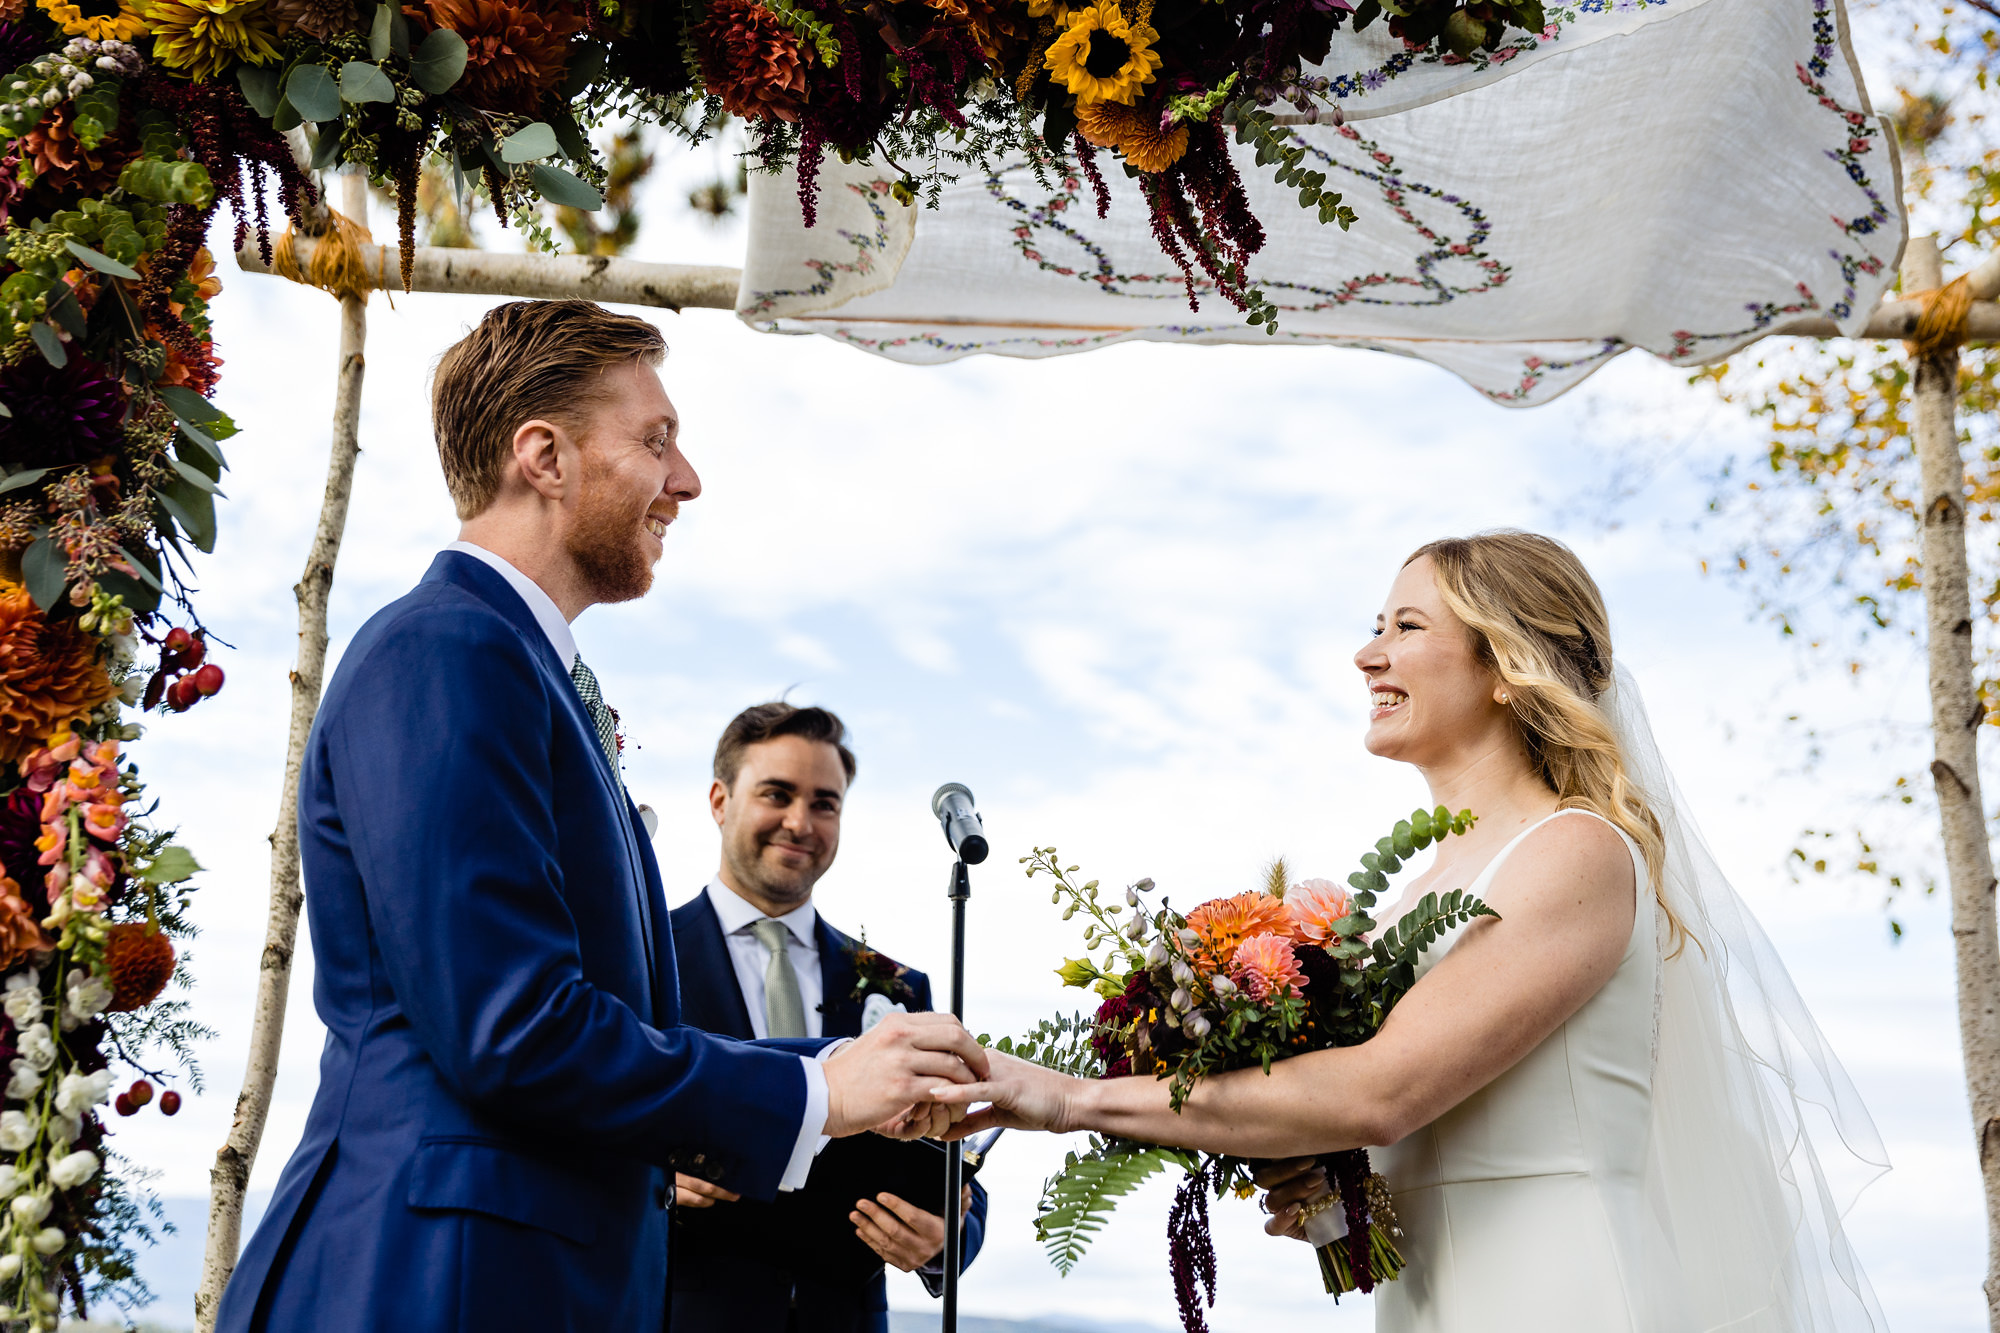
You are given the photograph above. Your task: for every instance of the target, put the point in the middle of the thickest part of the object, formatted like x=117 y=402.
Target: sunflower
x=206 y=37
x=99 y=20
x=1101 y=57
x=1134 y=132
x=1049 y=9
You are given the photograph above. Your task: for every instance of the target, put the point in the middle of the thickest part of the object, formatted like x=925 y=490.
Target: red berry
x=196 y=650
x=177 y=641
x=208 y=680
x=180 y=694
x=123 y=1105
x=170 y=1102
x=140 y=1093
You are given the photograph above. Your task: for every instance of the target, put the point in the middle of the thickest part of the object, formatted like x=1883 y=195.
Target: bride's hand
x=1022 y=1096
x=1290 y=1185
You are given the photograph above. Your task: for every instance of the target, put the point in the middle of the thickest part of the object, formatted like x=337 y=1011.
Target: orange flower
x=751 y=61
x=1133 y=132
x=49 y=674
x=1223 y=923
x=515 y=54
x=20 y=933
x=1265 y=966
x=1316 y=906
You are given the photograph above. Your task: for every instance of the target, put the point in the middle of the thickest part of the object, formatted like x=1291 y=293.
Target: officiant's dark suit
x=507 y=1087
x=738 y=1264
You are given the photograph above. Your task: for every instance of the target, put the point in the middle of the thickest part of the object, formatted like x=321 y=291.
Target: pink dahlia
x=1316 y=906
x=1265 y=966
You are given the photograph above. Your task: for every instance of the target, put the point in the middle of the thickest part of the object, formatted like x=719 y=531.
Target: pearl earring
x=1503 y=698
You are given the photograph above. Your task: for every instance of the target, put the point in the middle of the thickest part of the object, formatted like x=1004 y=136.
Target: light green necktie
x=784 y=1012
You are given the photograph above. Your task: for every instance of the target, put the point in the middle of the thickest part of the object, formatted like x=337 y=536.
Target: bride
x=1596 y=1112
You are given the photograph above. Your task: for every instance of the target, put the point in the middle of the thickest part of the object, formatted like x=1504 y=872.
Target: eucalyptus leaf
x=438 y=61
x=313 y=93
x=66 y=312
x=378 y=33
x=287 y=117
x=144 y=569
x=530 y=143
x=560 y=187
x=362 y=82
x=6 y=411
x=202 y=440
x=194 y=476
x=25 y=477
x=192 y=509
x=46 y=570
x=586 y=63
x=102 y=262
x=570 y=135
x=48 y=344
x=190 y=406
x=326 y=148
x=260 y=88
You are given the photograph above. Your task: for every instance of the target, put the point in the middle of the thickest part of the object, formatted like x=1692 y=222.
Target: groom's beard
x=608 y=539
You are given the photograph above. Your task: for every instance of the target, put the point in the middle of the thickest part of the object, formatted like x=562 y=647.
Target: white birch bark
x=230 y=1175
x=1956 y=719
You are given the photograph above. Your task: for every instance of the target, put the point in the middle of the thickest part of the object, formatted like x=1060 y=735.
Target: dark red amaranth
x=1191 y=1251
x=1349 y=1171
x=1086 y=158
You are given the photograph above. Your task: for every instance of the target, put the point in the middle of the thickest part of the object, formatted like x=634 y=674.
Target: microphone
x=952 y=804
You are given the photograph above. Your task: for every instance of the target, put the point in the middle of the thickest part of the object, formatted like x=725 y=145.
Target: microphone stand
x=954 y=1158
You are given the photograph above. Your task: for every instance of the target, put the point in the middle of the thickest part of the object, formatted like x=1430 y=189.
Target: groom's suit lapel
x=486 y=584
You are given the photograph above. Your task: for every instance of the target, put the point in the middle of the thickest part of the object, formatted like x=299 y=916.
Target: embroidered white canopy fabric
x=1679 y=175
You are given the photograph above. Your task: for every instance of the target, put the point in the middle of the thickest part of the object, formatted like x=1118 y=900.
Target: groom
x=506 y=1089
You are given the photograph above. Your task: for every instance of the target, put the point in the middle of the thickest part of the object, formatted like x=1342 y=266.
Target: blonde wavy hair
x=1538 y=622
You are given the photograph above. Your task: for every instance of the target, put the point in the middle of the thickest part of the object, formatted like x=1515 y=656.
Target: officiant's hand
x=878 y=1080
x=902 y=1233
x=691 y=1192
x=1290 y=1185
x=1023 y=1096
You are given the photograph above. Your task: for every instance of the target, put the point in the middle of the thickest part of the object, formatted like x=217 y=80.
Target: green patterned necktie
x=600 y=713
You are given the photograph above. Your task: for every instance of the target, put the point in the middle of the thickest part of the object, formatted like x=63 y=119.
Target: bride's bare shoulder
x=1576 y=860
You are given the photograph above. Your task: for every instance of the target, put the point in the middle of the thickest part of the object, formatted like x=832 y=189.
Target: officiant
x=757 y=960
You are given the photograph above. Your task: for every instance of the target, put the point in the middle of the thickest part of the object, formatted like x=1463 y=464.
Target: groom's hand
x=879 y=1079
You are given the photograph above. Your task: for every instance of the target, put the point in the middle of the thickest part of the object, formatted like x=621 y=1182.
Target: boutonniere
x=876 y=973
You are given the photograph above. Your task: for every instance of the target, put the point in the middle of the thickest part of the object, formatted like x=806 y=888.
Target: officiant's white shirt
x=749 y=957
x=812 y=1126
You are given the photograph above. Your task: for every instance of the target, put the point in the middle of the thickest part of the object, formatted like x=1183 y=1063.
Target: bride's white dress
x=1676 y=1158
x=1523 y=1207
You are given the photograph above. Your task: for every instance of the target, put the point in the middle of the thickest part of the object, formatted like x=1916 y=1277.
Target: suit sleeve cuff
x=812 y=1125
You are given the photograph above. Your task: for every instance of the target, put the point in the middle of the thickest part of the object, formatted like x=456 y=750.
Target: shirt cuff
x=812 y=1125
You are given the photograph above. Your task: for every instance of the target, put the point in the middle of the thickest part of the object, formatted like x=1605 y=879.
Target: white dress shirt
x=749 y=956
x=812 y=1127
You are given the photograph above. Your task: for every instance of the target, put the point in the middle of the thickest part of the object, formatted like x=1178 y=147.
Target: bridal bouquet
x=1235 y=983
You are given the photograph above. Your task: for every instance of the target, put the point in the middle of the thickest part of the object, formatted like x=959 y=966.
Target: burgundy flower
x=20 y=825
x=18 y=45
x=72 y=415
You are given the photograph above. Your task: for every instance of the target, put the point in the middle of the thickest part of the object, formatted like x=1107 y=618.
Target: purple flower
x=62 y=416
x=18 y=45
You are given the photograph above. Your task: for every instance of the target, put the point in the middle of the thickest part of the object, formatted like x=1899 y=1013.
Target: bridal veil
x=1759 y=1139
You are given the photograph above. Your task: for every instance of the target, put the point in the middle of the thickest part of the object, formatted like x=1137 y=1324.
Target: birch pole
x=230 y=1176
x=1956 y=717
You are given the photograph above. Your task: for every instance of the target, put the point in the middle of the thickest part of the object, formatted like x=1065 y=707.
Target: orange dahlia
x=1265 y=966
x=62 y=162
x=49 y=674
x=20 y=933
x=1316 y=906
x=140 y=959
x=1134 y=132
x=751 y=61
x=515 y=54
x=1221 y=924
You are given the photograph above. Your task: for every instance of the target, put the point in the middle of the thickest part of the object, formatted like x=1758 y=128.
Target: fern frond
x=1078 y=1200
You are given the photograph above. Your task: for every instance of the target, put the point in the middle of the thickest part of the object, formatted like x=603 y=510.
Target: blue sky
x=1117 y=595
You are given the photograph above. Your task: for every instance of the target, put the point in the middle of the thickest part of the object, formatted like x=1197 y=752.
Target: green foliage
x=1078 y=1200
x=1061 y=1043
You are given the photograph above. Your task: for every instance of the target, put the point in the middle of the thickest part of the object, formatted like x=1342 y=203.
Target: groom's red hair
x=526 y=359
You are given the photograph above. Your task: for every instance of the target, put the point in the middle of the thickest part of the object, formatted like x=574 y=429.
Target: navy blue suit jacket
x=506 y=1085
x=717 y=1287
